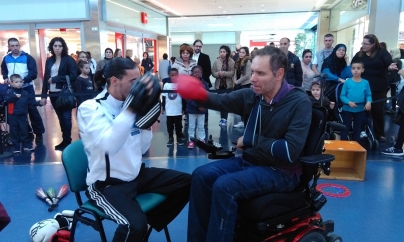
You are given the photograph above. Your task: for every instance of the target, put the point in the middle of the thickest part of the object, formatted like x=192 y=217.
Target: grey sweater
x=288 y=120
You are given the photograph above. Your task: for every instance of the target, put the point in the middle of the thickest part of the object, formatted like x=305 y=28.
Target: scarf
x=225 y=67
x=335 y=64
x=240 y=64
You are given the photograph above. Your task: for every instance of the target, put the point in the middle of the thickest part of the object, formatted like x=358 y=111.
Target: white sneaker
x=223 y=122
x=363 y=134
x=239 y=125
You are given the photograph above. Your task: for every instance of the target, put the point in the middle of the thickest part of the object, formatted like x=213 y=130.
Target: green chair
x=75 y=163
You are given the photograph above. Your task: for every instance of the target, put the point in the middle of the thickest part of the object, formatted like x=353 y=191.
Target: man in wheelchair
x=278 y=118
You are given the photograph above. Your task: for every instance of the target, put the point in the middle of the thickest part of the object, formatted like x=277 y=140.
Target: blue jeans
x=65 y=120
x=215 y=189
x=34 y=116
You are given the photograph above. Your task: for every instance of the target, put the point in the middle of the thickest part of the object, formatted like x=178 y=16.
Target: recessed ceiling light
x=262 y=5
x=220 y=7
x=224 y=11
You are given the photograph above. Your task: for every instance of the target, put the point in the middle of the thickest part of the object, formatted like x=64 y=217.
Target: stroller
x=4 y=128
x=367 y=138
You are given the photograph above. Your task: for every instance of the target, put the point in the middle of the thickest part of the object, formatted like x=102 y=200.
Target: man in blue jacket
x=21 y=63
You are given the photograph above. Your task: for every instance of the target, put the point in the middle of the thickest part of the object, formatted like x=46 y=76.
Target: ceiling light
x=219 y=25
x=262 y=5
x=165 y=7
x=220 y=7
x=123 y=6
x=224 y=11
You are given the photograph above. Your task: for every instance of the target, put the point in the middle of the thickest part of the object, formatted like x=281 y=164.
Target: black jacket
x=67 y=67
x=204 y=62
x=289 y=120
x=20 y=104
x=294 y=75
x=375 y=69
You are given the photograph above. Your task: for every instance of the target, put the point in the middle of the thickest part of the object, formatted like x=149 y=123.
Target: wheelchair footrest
x=328 y=226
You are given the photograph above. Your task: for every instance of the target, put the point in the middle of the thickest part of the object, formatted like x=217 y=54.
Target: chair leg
x=101 y=229
x=73 y=229
x=167 y=234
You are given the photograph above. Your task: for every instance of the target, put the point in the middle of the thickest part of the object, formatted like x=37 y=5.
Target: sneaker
x=191 y=145
x=181 y=141
x=393 y=151
x=16 y=152
x=239 y=125
x=62 y=145
x=223 y=122
x=363 y=134
x=38 y=138
x=28 y=149
x=170 y=141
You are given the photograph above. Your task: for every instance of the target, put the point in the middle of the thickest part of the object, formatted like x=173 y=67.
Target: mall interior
x=371 y=211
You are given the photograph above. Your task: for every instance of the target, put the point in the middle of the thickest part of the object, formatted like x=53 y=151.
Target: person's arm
x=298 y=72
x=207 y=67
x=32 y=71
x=368 y=93
x=230 y=102
x=247 y=74
x=10 y=96
x=346 y=72
x=46 y=77
x=146 y=138
x=344 y=94
x=289 y=148
x=79 y=89
x=215 y=72
x=314 y=65
x=4 y=69
x=330 y=76
x=105 y=132
x=71 y=71
x=230 y=73
x=163 y=104
x=151 y=64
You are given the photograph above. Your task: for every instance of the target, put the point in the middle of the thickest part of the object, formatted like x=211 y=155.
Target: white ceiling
x=236 y=15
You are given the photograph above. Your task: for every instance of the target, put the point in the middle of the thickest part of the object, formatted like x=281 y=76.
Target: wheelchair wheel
x=313 y=236
x=6 y=140
x=333 y=238
x=375 y=144
x=366 y=143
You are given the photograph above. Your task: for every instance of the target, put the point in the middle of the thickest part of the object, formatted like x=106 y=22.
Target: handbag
x=66 y=99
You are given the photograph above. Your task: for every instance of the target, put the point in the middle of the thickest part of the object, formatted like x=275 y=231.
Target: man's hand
x=201 y=109
x=43 y=102
x=368 y=106
x=240 y=144
x=352 y=104
x=332 y=105
x=50 y=81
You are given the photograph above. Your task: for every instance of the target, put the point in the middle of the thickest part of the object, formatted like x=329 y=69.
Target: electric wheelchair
x=289 y=216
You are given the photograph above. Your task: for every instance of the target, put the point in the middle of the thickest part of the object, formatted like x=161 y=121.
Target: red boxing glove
x=191 y=88
x=61 y=236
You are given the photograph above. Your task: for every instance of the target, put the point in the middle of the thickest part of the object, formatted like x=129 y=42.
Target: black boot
x=62 y=145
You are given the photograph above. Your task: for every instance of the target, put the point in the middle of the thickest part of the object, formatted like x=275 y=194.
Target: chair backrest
x=75 y=161
x=314 y=141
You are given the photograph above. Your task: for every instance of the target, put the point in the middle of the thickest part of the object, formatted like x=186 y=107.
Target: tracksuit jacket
x=24 y=65
x=104 y=129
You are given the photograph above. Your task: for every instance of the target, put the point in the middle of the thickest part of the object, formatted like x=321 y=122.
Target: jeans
x=347 y=118
x=65 y=120
x=200 y=121
x=215 y=189
x=34 y=116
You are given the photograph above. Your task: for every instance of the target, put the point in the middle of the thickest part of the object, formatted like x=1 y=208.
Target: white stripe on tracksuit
x=107 y=207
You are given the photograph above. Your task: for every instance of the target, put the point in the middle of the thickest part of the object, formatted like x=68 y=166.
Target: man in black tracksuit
x=18 y=104
x=294 y=76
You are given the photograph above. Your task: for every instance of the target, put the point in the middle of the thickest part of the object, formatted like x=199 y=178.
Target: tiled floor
x=373 y=211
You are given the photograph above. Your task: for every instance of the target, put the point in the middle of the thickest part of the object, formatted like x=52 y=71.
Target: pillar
x=384 y=20
x=323 y=27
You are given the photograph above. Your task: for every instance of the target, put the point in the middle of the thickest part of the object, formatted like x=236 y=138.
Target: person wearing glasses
x=202 y=60
x=377 y=62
